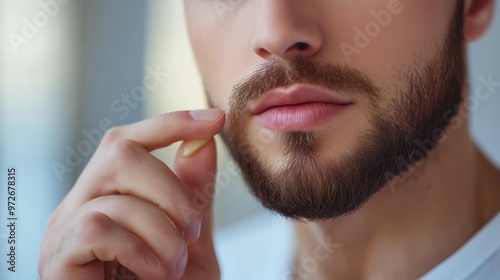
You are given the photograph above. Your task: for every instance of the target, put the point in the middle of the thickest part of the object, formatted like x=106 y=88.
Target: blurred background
x=71 y=69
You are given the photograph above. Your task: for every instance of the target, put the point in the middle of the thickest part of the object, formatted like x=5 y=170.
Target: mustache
x=277 y=74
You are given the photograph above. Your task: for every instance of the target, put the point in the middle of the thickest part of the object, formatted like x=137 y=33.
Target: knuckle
x=111 y=136
x=92 y=226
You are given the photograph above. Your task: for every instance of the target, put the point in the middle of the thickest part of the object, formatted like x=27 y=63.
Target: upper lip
x=295 y=95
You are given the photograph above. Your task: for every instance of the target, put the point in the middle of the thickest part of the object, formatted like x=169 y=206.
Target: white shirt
x=477 y=259
x=263 y=248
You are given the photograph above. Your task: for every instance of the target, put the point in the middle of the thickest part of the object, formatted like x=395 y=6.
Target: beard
x=309 y=187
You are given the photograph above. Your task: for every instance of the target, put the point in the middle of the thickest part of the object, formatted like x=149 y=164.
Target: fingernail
x=209 y=115
x=192 y=146
x=182 y=262
x=193 y=231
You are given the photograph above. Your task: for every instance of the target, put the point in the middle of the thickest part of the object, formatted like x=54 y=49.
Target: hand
x=128 y=207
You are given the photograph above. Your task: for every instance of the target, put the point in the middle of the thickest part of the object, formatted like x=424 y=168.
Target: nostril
x=301 y=46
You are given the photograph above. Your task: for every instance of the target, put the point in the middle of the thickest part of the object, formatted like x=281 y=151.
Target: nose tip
x=284 y=32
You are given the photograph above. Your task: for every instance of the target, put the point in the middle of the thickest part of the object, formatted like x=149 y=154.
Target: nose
x=286 y=29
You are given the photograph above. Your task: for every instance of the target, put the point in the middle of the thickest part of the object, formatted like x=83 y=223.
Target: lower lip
x=299 y=117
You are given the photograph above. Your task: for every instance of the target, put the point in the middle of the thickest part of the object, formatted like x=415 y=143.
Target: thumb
x=195 y=164
x=197 y=171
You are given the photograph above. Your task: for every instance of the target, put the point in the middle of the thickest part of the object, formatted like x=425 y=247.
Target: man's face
x=325 y=98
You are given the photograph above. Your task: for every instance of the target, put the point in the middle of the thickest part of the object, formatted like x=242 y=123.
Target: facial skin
x=402 y=83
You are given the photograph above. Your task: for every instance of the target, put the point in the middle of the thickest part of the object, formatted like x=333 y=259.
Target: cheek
x=222 y=48
x=387 y=37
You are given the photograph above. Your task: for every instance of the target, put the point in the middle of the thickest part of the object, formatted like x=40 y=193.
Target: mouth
x=299 y=107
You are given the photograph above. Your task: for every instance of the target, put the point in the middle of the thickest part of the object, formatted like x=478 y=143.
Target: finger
x=147 y=222
x=151 y=134
x=198 y=172
x=98 y=237
x=161 y=131
x=134 y=171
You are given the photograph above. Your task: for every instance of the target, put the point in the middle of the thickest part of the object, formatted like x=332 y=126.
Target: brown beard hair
x=305 y=188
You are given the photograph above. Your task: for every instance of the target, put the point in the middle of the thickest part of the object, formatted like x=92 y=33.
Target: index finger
x=161 y=131
x=153 y=133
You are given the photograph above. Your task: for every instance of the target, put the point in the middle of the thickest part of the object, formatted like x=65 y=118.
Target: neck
x=412 y=224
